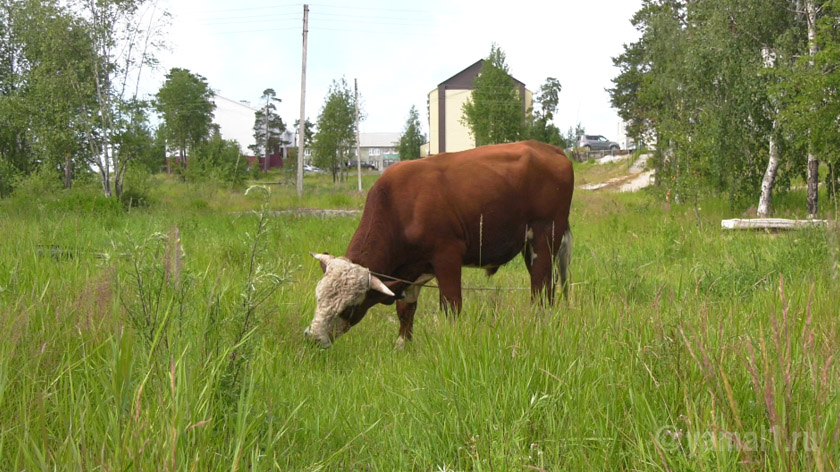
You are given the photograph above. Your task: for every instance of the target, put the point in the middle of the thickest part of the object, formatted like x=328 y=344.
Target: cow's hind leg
x=539 y=261
x=548 y=254
x=564 y=259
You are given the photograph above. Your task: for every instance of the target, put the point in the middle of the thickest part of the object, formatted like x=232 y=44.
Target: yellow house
x=446 y=132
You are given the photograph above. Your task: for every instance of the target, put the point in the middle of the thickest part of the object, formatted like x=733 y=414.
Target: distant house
x=446 y=133
x=235 y=120
x=379 y=149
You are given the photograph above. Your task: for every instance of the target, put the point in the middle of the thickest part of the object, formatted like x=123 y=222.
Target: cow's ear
x=323 y=259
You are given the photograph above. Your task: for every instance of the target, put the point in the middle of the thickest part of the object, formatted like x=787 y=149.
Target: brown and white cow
x=427 y=218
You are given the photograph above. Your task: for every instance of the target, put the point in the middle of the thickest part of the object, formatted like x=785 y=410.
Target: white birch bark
x=765 y=202
x=813 y=162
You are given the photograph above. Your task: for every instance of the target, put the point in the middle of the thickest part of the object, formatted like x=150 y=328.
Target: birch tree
x=124 y=35
x=765 y=201
x=412 y=137
x=813 y=163
x=495 y=111
x=333 y=143
x=698 y=81
x=185 y=103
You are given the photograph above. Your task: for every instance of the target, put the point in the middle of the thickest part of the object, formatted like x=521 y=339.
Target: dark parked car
x=365 y=165
x=594 y=142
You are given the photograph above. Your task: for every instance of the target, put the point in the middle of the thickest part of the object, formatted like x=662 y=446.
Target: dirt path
x=636 y=179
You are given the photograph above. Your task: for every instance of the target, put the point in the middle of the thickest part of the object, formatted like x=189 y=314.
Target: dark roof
x=464 y=80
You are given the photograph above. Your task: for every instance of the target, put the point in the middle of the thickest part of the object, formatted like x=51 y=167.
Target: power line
x=268 y=7
x=374 y=22
x=343 y=7
x=248 y=19
x=366 y=17
x=248 y=31
x=339 y=19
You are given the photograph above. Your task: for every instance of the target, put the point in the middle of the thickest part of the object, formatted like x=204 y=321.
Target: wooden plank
x=771 y=223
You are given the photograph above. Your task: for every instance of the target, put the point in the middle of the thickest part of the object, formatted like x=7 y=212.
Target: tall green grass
x=169 y=337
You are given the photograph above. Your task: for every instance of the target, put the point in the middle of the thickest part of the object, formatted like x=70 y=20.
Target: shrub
x=137 y=188
x=42 y=182
x=8 y=175
x=218 y=159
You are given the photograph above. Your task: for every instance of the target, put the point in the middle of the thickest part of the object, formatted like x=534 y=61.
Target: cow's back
x=483 y=199
x=529 y=175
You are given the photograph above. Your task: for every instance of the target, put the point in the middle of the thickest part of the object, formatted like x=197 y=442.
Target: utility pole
x=302 y=123
x=358 y=143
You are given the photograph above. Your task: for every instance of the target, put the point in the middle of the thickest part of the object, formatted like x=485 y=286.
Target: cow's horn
x=324 y=258
x=376 y=284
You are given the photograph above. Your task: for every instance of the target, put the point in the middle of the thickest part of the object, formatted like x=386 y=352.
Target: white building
x=236 y=121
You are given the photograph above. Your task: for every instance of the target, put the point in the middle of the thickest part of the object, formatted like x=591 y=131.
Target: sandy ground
x=637 y=178
x=616 y=158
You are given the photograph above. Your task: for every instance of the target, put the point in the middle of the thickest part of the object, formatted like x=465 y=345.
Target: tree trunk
x=813 y=162
x=121 y=165
x=118 y=188
x=68 y=176
x=106 y=181
x=765 y=203
x=813 y=185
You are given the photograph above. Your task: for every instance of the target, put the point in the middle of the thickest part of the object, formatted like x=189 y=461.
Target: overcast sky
x=399 y=51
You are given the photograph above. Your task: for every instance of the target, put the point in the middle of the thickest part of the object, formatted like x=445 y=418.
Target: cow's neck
x=373 y=247
x=377 y=243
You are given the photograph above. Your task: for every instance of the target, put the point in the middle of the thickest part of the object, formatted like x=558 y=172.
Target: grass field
x=169 y=337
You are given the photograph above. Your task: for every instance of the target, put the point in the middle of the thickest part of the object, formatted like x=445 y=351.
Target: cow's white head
x=338 y=296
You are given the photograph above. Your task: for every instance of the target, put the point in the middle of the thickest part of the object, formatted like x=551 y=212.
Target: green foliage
x=807 y=89
x=494 y=113
x=44 y=182
x=334 y=143
x=412 y=137
x=220 y=160
x=64 y=74
x=125 y=35
x=150 y=154
x=47 y=74
x=8 y=176
x=698 y=81
x=186 y=106
x=540 y=127
x=309 y=130
x=137 y=191
x=60 y=85
x=572 y=135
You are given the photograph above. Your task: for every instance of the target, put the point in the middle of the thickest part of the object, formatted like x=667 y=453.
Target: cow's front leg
x=447 y=266
x=407 y=306
x=405 y=312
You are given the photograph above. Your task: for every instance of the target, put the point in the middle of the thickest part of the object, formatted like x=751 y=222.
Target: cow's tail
x=564 y=260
